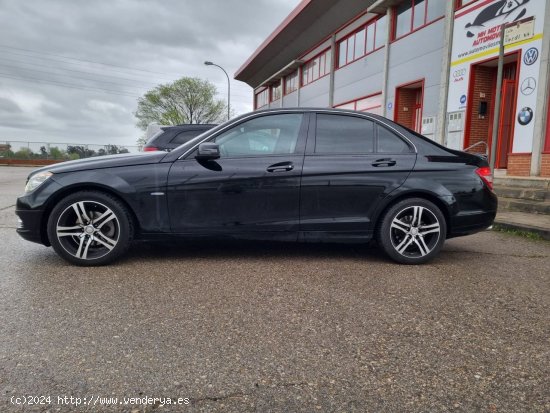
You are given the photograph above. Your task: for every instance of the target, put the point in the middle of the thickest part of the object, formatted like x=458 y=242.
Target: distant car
x=170 y=137
x=281 y=174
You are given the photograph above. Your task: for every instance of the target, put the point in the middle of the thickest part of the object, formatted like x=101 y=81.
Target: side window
x=389 y=142
x=344 y=134
x=186 y=136
x=266 y=135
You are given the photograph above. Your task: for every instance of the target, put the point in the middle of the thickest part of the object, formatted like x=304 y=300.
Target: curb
x=543 y=232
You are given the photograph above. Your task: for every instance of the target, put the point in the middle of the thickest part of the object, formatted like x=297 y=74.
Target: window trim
x=427 y=23
x=301 y=80
x=373 y=21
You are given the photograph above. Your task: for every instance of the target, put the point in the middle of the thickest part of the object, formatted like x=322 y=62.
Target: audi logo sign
x=459 y=73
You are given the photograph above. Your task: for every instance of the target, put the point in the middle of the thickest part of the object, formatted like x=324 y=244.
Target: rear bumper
x=471 y=222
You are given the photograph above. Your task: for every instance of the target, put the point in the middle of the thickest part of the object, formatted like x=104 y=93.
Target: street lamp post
x=228 y=87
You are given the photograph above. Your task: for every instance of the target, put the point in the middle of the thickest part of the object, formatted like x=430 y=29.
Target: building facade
x=430 y=65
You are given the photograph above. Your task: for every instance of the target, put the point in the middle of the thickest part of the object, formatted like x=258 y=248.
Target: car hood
x=108 y=161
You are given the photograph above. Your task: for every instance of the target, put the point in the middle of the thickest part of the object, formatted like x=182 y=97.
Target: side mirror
x=208 y=151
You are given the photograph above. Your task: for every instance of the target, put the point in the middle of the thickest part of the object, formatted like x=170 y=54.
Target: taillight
x=486 y=176
x=150 y=149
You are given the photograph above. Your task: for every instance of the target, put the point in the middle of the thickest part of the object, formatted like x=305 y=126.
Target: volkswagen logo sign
x=525 y=115
x=531 y=56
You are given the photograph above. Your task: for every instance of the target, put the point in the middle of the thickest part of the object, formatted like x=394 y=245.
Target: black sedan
x=285 y=174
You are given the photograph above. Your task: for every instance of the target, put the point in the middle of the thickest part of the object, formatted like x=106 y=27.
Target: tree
x=186 y=100
x=57 y=153
x=80 y=150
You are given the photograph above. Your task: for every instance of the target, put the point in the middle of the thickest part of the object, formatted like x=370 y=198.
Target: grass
x=519 y=233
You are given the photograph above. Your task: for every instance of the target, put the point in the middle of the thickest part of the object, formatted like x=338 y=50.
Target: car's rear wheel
x=90 y=228
x=412 y=231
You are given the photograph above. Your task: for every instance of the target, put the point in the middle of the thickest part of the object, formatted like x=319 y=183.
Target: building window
x=291 y=83
x=276 y=91
x=412 y=15
x=316 y=68
x=371 y=104
x=261 y=98
x=366 y=39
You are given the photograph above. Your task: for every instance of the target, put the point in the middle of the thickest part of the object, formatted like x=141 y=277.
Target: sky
x=71 y=71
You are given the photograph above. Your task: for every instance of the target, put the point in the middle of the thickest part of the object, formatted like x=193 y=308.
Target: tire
x=412 y=231
x=90 y=228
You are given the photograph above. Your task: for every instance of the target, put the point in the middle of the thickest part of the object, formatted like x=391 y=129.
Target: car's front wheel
x=90 y=228
x=412 y=231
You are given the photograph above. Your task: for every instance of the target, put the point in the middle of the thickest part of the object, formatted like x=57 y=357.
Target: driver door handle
x=384 y=162
x=281 y=167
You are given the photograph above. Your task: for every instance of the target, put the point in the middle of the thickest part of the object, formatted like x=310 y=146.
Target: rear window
x=155 y=136
x=186 y=136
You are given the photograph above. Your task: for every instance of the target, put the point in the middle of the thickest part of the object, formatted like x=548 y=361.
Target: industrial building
x=430 y=65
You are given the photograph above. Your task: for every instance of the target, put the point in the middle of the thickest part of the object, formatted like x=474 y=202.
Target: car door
x=352 y=162
x=252 y=189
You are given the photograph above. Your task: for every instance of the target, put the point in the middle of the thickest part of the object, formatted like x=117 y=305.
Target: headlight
x=36 y=180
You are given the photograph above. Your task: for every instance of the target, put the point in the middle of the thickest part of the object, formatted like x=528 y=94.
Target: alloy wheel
x=415 y=231
x=88 y=230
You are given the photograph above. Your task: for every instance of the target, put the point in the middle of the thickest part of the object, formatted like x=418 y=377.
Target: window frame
x=393 y=34
x=364 y=26
x=304 y=70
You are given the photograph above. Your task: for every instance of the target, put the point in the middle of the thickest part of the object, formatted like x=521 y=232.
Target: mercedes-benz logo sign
x=525 y=115
x=531 y=56
x=528 y=86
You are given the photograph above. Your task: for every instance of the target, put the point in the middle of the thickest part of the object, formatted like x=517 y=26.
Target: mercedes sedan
x=299 y=174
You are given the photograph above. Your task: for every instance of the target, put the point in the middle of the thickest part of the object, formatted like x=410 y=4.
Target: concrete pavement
x=262 y=327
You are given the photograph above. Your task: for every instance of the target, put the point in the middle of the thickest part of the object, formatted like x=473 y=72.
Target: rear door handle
x=384 y=162
x=281 y=167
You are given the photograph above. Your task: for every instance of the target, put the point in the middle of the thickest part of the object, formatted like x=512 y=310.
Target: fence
x=42 y=152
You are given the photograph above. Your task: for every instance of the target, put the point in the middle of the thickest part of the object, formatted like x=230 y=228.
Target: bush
x=23 y=153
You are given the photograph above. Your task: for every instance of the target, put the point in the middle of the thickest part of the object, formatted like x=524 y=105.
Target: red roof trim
x=303 y=4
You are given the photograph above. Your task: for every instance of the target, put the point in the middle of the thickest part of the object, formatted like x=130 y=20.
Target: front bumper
x=29 y=226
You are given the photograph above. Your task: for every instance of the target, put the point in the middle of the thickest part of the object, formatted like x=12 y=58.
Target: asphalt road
x=261 y=327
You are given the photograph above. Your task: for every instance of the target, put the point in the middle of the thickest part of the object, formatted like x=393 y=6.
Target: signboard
x=476 y=39
x=519 y=31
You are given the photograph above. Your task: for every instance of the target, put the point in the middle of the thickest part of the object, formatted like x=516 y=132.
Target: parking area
x=264 y=327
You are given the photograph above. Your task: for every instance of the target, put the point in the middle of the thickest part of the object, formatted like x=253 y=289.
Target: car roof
x=190 y=126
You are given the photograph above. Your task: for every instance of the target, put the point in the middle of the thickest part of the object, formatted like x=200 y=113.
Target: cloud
x=148 y=42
